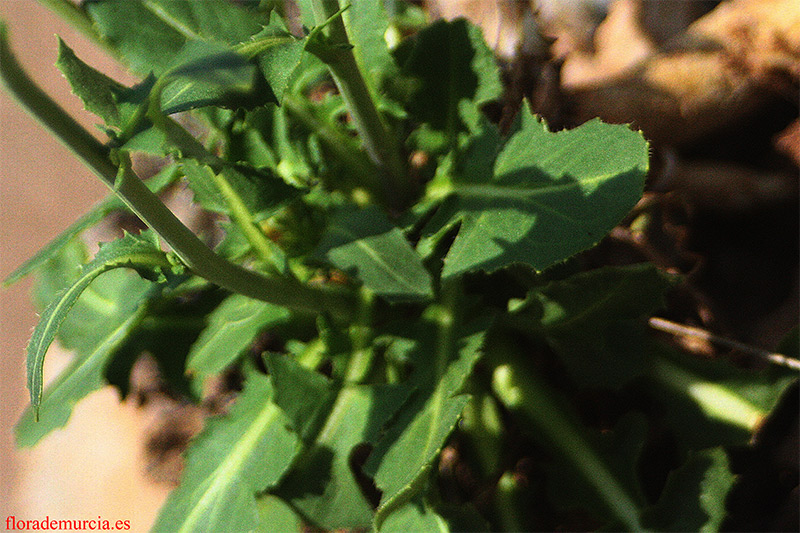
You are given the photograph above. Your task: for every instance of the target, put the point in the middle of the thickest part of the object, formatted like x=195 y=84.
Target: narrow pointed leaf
x=237 y=456
x=232 y=327
x=406 y=453
x=322 y=485
x=139 y=252
x=84 y=374
x=106 y=98
x=364 y=243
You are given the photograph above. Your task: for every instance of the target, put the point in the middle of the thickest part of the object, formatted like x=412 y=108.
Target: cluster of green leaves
x=418 y=305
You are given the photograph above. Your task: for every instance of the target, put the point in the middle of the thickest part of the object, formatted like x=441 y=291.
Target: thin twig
x=674 y=328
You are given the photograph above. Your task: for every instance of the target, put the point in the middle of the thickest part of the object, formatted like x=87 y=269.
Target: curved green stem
x=508 y=504
x=187 y=246
x=519 y=387
x=379 y=142
x=265 y=249
x=51 y=115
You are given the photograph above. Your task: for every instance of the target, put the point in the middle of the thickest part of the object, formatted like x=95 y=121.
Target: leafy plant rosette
x=410 y=298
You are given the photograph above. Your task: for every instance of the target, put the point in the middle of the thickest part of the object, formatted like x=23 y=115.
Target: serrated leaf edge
x=54 y=314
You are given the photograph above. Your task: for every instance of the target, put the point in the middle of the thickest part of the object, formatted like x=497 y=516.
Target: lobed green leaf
x=694 y=496
x=452 y=64
x=205 y=73
x=595 y=321
x=552 y=195
x=294 y=385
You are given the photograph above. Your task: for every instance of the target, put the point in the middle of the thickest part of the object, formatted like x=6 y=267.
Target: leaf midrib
x=514 y=192
x=225 y=474
x=58 y=310
x=404 y=282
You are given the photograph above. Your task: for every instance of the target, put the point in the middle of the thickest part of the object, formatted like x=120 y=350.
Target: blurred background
x=713 y=84
x=93 y=467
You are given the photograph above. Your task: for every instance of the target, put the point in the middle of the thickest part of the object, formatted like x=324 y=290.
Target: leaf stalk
x=519 y=387
x=187 y=246
x=379 y=142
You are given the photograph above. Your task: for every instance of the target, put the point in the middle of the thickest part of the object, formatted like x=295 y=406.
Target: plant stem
x=267 y=251
x=447 y=318
x=240 y=215
x=715 y=400
x=519 y=387
x=379 y=142
x=49 y=114
x=361 y=337
x=507 y=502
x=187 y=246
x=674 y=328
x=338 y=143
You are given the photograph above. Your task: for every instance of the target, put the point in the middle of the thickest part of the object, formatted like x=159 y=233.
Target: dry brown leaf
x=502 y=21
x=729 y=65
x=620 y=44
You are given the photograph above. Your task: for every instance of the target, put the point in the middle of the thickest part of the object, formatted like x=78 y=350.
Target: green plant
x=417 y=304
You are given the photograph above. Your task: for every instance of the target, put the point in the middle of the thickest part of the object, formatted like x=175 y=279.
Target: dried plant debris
x=731 y=64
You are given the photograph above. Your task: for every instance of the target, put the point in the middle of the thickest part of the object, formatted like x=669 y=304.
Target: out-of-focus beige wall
x=93 y=467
